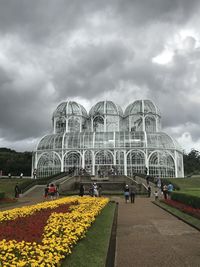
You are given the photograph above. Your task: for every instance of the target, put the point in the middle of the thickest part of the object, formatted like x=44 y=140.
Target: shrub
x=193 y=201
x=2 y=195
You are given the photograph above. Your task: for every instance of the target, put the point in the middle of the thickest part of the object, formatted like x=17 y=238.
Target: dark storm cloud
x=51 y=51
x=42 y=19
x=93 y=71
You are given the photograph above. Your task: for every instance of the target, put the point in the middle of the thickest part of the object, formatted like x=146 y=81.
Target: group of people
x=129 y=193
x=94 y=190
x=51 y=191
x=164 y=190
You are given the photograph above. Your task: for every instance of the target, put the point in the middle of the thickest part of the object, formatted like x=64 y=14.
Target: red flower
x=29 y=228
x=183 y=207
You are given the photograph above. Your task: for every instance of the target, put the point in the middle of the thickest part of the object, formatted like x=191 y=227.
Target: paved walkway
x=149 y=236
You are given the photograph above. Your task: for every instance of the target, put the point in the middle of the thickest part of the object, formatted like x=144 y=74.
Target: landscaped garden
x=184 y=202
x=44 y=234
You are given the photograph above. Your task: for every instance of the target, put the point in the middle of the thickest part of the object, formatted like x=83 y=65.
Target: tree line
x=20 y=162
x=14 y=162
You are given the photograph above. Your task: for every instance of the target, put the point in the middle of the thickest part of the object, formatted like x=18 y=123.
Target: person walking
x=17 y=191
x=126 y=193
x=149 y=191
x=46 y=191
x=132 y=193
x=100 y=190
x=81 y=190
x=156 y=195
x=164 y=189
x=170 y=189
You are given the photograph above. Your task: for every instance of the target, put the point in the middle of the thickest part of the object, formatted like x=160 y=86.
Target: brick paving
x=149 y=236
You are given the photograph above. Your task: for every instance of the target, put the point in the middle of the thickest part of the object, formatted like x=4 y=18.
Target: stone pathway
x=149 y=236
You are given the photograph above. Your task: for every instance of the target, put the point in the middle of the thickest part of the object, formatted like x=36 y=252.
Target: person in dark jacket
x=81 y=190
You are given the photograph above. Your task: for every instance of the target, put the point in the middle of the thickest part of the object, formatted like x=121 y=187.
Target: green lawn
x=92 y=250
x=187 y=183
x=8 y=185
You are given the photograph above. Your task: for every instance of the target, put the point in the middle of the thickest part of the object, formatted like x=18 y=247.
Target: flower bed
x=183 y=207
x=68 y=220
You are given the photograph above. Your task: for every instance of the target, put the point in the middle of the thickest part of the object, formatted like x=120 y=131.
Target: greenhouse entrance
x=104 y=170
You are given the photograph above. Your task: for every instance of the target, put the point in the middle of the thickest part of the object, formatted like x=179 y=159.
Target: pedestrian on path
x=156 y=195
x=17 y=191
x=126 y=193
x=46 y=191
x=132 y=193
x=149 y=191
x=164 y=189
x=81 y=190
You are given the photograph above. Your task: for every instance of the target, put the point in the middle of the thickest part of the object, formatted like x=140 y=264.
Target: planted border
x=186 y=198
x=61 y=233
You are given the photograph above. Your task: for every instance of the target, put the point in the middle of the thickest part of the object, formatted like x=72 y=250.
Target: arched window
x=98 y=124
x=48 y=164
x=104 y=158
x=150 y=124
x=74 y=124
x=161 y=164
x=60 y=125
x=136 y=123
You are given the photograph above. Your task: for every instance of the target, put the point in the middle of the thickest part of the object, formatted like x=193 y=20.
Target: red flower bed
x=183 y=207
x=8 y=200
x=29 y=228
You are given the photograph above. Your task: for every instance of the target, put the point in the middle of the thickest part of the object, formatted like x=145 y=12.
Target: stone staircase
x=110 y=185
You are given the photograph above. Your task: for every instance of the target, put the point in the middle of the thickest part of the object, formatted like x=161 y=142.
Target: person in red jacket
x=52 y=191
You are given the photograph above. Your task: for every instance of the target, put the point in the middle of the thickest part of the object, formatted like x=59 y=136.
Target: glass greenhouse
x=108 y=140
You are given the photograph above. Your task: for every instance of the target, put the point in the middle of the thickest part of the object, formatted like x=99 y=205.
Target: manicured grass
x=187 y=183
x=92 y=250
x=181 y=215
x=8 y=185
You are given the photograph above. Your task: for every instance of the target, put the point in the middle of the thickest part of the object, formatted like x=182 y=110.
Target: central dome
x=106 y=108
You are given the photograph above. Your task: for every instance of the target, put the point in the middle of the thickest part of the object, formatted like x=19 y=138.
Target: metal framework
x=108 y=139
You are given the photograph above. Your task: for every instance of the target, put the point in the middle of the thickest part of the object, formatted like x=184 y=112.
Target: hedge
x=186 y=198
x=2 y=195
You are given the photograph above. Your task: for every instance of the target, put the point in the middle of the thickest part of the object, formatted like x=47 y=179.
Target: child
x=156 y=195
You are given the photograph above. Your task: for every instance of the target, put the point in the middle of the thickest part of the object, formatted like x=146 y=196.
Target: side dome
x=106 y=108
x=142 y=107
x=69 y=108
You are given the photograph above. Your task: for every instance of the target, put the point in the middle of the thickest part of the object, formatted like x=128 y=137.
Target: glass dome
x=106 y=108
x=142 y=107
x=69 y=108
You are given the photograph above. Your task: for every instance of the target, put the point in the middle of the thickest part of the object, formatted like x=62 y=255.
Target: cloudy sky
x=91 y=50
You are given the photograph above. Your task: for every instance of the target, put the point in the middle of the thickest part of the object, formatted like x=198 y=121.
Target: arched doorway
x=72 y=162
x=48 y=164
x=104 y=162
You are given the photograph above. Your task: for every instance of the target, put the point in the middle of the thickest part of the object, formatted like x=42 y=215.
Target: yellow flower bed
x=61 y=232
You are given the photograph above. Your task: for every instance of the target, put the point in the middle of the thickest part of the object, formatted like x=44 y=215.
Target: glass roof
x=141 y=106
x=69 y=108
x=106 y=108
x=106 y=140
